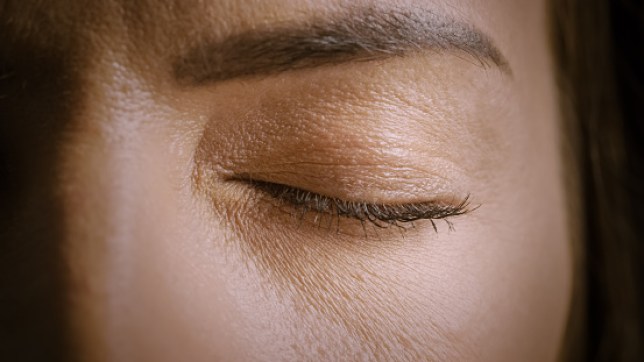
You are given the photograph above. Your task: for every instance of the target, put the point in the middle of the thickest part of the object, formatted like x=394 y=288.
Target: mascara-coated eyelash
x=378 y=214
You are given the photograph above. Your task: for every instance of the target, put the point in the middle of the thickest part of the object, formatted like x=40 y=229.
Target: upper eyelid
x=379 y=214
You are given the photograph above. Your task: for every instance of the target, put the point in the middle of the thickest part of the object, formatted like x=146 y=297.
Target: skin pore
x=137 y=132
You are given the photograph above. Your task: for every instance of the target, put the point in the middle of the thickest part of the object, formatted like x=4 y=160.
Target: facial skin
x=132 y=234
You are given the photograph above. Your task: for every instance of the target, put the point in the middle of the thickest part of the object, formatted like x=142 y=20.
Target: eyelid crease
x=379 y=214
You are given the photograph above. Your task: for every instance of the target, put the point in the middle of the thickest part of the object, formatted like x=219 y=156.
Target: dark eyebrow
x=359 y=34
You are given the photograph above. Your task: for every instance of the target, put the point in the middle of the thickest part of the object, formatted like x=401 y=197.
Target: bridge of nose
x=119 y=198
x=88 y=190
x=136 y=234
x=103 y=207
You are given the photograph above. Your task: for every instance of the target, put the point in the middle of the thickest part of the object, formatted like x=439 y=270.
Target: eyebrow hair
x=359 y=34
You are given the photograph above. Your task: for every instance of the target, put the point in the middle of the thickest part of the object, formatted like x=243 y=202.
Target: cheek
x=513 y=267
x=492 y=290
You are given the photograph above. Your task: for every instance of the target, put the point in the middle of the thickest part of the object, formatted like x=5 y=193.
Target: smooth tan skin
x=166 y=260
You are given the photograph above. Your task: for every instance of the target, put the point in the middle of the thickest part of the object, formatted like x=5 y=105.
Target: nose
x=97 y=221
x=116 y=207
x=82 y=175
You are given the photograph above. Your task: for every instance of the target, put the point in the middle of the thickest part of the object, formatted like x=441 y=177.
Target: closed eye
x=381 y=215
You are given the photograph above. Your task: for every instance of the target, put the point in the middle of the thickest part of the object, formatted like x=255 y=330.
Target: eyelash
x=379 y=215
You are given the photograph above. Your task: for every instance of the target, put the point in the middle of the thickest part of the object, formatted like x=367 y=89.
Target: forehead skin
x=116 y=177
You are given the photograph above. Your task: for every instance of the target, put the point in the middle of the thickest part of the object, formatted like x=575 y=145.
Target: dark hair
x=598 y=51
